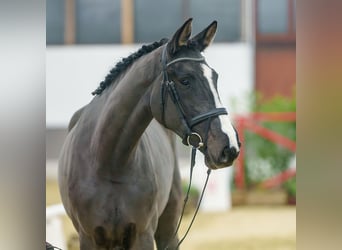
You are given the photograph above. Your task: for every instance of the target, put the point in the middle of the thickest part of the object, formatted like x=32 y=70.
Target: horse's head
x=186 y=100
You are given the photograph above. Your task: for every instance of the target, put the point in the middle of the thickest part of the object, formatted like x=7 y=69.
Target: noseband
x=190 y=138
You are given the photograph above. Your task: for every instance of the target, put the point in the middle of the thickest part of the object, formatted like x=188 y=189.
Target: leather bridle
x=190 y=138
x=168 y=87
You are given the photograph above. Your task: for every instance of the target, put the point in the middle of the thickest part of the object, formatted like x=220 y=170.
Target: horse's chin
x=214 y=165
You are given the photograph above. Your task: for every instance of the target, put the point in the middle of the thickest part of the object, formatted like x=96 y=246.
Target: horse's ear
x=205 y=37
x=181 y=37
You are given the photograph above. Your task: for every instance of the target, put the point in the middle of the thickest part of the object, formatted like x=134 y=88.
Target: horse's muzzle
x=224 y=159
x=228 y=155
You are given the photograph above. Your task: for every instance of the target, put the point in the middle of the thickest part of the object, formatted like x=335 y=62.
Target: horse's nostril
x=229 y=154
x=225 y=152
x=234 y=153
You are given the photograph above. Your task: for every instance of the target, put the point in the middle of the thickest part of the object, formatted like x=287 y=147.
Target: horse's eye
x=185 y=82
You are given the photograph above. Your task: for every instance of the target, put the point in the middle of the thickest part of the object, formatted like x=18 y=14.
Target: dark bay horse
x=118 y=173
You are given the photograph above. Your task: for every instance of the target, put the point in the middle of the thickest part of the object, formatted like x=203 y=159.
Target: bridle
x=168 y=88
x=190 y=137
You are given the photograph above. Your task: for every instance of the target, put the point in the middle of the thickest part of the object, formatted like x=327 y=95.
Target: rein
x=190 y=138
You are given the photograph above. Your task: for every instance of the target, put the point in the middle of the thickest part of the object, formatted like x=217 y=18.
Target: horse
x=118 y=174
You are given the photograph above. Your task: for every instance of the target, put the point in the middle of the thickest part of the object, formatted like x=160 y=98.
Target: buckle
x=195 y=140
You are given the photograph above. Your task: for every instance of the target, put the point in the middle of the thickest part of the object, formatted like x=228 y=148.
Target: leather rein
x=190 y=138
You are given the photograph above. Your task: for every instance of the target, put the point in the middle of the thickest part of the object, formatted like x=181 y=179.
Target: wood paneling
x=127 y=21
x=69 y=35
x=275 y=70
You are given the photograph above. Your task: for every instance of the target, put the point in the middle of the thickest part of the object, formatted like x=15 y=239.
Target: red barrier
x=250 y=122
x=273 y=116
x=278 y=179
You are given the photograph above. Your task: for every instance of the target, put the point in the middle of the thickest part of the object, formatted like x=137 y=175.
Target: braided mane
x=122 y=66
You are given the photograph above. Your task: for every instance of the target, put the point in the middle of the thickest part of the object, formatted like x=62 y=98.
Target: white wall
x=73 y=72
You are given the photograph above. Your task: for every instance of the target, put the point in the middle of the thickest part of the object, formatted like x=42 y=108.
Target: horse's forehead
x=198 y=66
x=202 y=69
x=190 y=67
x=189 y=53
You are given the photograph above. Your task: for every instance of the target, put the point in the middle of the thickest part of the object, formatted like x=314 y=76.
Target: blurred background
x=248 y=206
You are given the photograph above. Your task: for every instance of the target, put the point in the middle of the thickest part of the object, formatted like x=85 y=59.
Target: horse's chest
x=107 y=202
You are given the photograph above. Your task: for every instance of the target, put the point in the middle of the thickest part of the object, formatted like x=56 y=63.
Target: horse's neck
x=126 y=113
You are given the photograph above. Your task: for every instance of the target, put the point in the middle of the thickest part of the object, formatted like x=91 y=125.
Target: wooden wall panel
x=275 y=71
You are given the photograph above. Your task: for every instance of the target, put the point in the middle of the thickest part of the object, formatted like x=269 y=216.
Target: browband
x=200 y=59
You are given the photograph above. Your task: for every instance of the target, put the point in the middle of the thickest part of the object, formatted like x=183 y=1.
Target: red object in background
x=250 y=122
x=278 y=179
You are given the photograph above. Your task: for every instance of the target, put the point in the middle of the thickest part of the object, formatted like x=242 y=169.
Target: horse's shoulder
x=156 y=129
x=159 y=139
